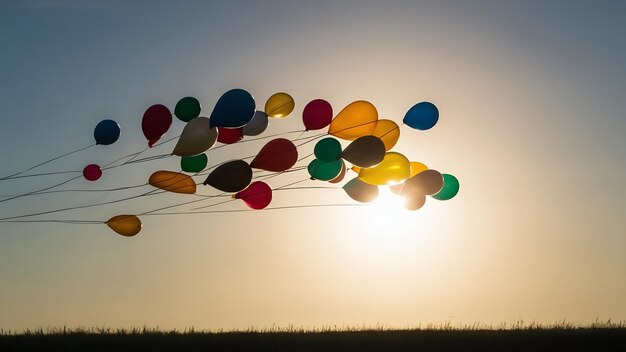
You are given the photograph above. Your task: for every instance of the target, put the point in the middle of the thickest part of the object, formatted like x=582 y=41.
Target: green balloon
x=325 y=171
x=450 y=188
x=328 y=149
x=187 y=109
x=194 y=163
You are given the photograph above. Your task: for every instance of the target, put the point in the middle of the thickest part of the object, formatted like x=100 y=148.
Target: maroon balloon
x=317 y=114
x=279 y=154
x=156 y=121
x=92 y=172
x=257 y=196
x=229 y=135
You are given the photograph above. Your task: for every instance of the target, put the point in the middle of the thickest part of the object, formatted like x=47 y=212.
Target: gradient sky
x=531 y=96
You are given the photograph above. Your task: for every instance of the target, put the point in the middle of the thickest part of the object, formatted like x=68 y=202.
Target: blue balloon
x=422 y=116
x=106 y=132
x=234 y=109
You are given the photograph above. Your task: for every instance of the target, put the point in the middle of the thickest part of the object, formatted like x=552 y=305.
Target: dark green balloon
x=187 y=109
x=195 y=163
x=328 y=149
x=325 y=171
x=450 y=188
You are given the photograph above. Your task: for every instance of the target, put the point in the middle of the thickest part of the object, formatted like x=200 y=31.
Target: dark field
x=611 y=338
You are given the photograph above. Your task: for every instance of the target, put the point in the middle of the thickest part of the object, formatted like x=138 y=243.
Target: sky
x=532 y=122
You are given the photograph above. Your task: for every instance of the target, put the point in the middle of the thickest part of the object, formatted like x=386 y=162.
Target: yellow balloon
x=125 y=225
x=417 y=167
x=176 y=182
x=355 y=169
x=388 y=132
x=394 y=168
x=279 y=105
x=355 y=120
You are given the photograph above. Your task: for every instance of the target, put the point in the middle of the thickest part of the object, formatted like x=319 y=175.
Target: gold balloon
x=176 y=182
x=355 y=120
x=279 y=105
x=388 y=132
x=394 y=168
x=125 y=225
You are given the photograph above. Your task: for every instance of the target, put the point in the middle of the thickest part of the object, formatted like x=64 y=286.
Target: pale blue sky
x=532 y=122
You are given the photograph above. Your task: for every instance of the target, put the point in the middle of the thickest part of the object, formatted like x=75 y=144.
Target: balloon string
x=258 y=138
x=46 y=162
x=266 y=209
x=85 y=190
x=81 y=222
x=40 y=174
x=39 y=190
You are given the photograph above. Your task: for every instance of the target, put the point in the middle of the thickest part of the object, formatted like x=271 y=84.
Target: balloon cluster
x=369 y=151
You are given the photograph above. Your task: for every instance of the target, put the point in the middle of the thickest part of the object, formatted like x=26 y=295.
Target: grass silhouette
x=562 y=336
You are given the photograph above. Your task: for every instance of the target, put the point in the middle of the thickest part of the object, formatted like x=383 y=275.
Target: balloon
x=279 y=154
x=317 y=114
x=365 y=151
x=355 y=169
x=257 y=196
x=234 y=108
x=416 y=168
x=327 y=149
x=106 y=132
x=279 y=105
x=197 y=137
x=231 y=176
x=341 y=175
x=450 y=188
x=426 y=182
x=156 y=121
x=324 y=171
x=257 y=125
x=422 y=116
x=394 y=168
x=229 y=135
x=173 y=181
x=187 y=109
x=388 y=132
x=92 y=172
x=125 y=225
x=414 y=201
x=195 y=163
x=355 y=120
x=361 y=191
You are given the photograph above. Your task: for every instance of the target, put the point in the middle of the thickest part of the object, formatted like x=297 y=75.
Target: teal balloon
x=422 y=116
x=233 y=109
x=325 y=171
x=327 y=150
x=450 y=188
x=187 y=109
x=194 y=163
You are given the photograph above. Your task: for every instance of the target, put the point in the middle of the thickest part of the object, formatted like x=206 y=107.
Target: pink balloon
x=92 y=172
x=258 y=195
x=317 y=114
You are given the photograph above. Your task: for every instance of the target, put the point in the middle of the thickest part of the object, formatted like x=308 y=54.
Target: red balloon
x=279 y=154
x=257 y=196
x=156 y=121
x=229 y=135
x=317 y=114
x=92 y=172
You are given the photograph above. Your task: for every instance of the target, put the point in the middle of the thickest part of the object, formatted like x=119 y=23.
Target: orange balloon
x=417 y=167
x=355 y=120
x=125 y=225
x=388 y=132
x=176 y=182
